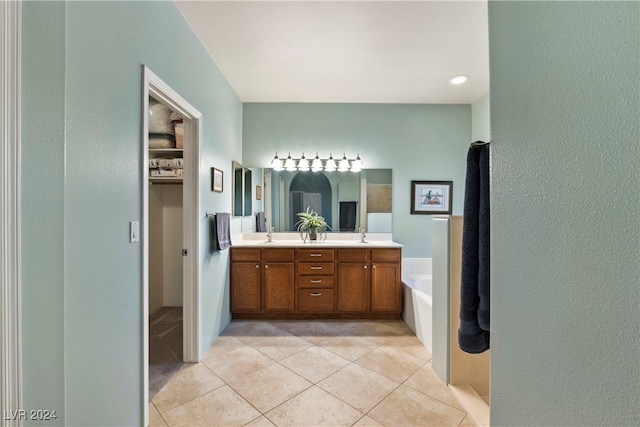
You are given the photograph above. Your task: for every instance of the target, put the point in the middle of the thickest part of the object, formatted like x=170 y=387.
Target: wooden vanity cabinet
x=353 y=280
x=278 y=280
x=246 y=281
x=386 y=286
x=315 y=283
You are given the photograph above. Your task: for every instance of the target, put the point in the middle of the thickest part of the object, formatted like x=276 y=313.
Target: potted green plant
x=311 y=224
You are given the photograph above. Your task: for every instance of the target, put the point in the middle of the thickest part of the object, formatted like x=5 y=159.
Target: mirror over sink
x=348 y=201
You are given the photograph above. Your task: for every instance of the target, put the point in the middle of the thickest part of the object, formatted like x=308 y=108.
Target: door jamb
x=158 y=89
x=10 y=223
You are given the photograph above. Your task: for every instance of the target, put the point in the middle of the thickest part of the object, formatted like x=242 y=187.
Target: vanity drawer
x=316 y=268
x=315 y=300
x=278 y=255
x=315 y=255
x=245 y=254
x=315 y=281
x=352 y=255
x=386 y=255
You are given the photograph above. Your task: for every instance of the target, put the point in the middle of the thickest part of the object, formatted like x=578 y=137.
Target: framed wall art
x=431 y=197
x=216 y=180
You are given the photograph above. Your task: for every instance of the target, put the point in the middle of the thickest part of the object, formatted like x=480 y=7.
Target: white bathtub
x=417 y=310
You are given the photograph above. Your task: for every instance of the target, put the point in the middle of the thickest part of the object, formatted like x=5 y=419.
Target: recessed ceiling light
x=458 y=80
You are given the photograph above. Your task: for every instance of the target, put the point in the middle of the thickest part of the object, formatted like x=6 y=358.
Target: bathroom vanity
x=292 y=280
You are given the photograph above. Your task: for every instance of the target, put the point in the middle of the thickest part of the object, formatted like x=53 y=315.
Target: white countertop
x=293 y=240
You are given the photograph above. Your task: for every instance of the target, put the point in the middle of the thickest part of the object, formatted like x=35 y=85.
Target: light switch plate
x=134 y=231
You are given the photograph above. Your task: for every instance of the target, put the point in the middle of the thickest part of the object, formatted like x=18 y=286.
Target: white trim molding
x=10 y=330
x=192 y=218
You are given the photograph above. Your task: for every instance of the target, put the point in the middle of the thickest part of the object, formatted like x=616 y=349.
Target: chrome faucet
x=362 y=235
x=270 y=235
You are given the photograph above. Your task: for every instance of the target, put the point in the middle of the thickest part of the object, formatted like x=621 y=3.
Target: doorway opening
x=176 y=194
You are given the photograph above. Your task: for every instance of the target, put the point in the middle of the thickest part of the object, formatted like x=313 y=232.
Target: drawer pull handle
x=315 y=268
x=315 y=281
x=315 y=294
x=315 y=254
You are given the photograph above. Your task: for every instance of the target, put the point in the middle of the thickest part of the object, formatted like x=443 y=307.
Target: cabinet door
x=278 y=285
x=386 y=294
x=353 y=287
x=245 y=287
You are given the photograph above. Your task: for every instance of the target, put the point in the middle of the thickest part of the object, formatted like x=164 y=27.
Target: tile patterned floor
x=310 y=373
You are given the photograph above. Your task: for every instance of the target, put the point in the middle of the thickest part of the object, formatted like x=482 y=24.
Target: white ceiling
x=346 y=51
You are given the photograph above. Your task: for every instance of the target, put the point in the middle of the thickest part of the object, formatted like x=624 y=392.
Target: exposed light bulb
x=303 y=164
x=356 y=165
x=330 y=166
x=290 y=164
x=316 y=165
x=344 y=164
x=276 y=163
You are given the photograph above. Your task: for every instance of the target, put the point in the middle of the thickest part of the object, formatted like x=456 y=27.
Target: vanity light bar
x=317 y=164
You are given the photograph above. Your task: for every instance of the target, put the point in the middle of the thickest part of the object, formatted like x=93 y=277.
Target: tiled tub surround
x=310 y=373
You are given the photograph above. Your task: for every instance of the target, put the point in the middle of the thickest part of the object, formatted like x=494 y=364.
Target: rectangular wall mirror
x=348 y=201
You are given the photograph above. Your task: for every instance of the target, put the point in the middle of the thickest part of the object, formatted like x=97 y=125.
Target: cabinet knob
x=374 y=266
x=365 y=267
x=257 y=265
x=266 y=266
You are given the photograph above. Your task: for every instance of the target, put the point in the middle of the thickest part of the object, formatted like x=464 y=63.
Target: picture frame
x=258 y=192
x=217 y=177
x=431 y=197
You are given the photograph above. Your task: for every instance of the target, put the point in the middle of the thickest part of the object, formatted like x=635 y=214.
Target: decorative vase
x=313 y=234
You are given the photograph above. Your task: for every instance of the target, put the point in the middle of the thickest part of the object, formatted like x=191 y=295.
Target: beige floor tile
x=261 y=421
x=314 y=407
x=313 y=331
x=238 y=363
x=377 y=331
x=427 y=381
x=234 y=326
x=367 y=422
x=221 y=407
x=248 y=330
x=222 y=345
x=315 y=363
x=188 y=383
x=359 y=387
x=409 y=344
x=349 y=347
x=408 y=407
x=278 y=347
x=153 y=411
x=391 y=363
x=468 y=421
x=270 y=387
x=157 y=421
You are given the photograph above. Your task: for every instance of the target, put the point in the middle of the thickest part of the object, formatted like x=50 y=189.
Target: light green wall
x=419 y=142
x=480 y=119
x=80 y=244
x=565 y=273
x=42 y=205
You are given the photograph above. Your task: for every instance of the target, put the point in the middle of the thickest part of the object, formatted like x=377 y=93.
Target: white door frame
x=158 y=89
x=10 y=301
